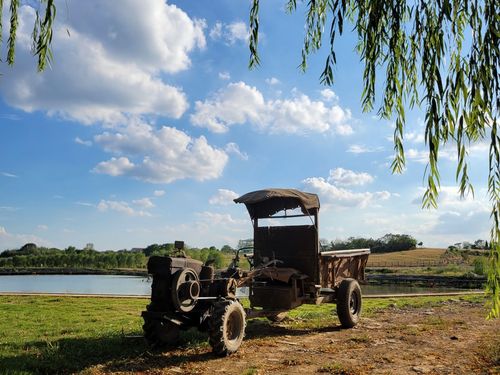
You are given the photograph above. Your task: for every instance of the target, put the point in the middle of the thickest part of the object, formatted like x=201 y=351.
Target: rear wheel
x=349 y=303
x=160 y=333
x=226 y=327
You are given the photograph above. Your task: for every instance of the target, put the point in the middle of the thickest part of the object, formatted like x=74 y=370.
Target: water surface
x=137 y=285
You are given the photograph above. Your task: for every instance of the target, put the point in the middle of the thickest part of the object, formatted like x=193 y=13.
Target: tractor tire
x=349 y=302
x=160 y=333
x=277 y=318
x=226 y=327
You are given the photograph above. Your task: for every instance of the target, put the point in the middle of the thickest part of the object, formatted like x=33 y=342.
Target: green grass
x=68 y=334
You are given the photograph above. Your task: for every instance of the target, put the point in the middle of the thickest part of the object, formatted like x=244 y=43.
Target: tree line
x=386 y=244
x=32 y=256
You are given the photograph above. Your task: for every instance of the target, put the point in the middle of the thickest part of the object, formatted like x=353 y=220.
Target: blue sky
x=149 y=123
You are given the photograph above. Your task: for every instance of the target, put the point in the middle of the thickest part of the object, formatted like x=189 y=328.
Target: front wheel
x=226 y=327
x=349 y=303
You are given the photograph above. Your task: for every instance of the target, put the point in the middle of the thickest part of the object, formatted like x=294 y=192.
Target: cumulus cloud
x=272 y=81
x=362 y=149
x=223 y=197
x=346 y=177
x=231 y=33
x=233 y=148
x=239 y=103
x=3 y=232
x=159 y=193
x=42 y=227
x=337 y=196
x=111 y=64
x=159 y=155
x=329 y=95
x=143 y=203
x=82 y=142
x=120 y=207
x=225 y=76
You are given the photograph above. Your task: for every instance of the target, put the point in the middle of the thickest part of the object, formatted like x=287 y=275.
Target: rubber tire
x=226 y=327
x=160 y=333
x=278 y=317
x=349 y=302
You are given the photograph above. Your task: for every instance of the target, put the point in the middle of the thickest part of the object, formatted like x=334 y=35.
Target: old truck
x=288 y=269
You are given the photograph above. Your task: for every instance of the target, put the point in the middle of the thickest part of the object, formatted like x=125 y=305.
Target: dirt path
x=450 y=338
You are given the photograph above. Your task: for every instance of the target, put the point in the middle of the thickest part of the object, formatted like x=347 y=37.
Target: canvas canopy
x=265 y=203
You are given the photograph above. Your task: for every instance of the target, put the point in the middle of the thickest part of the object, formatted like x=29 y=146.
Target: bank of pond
x=140 y=285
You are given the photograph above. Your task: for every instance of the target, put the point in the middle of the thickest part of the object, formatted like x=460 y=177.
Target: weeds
x=337 y=369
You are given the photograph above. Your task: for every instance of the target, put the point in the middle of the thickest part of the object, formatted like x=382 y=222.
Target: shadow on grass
x=117 y=353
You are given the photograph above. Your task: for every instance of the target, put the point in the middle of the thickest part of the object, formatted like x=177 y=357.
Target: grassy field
x=68 y=334
x=408 y=257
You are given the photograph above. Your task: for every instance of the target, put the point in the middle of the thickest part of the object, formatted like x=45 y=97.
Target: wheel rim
x=233 y=327
x=354 y=303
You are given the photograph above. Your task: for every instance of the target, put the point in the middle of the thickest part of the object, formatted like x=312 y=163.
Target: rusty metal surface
x=267 y=202
x=335 y=269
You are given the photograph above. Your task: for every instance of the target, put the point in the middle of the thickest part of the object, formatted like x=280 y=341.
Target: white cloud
x=82 y=142
x=329 y=95
x=224 y=75
x=120 y=207
x=230 y=33
x=10 y=175
x=85 y=204
x=332 y=194
x=223 y=197
x=239 y=103
x=159 y=193
x=346 y=177
x=272 y=81
x=216 y=30
x=144 y=202
x=16 y=240
x=111 y=64
x=414 y=137
x=115 y=166
x=362 y=149
x=233 y=148
x=42 y=227
x=159 y=155
x=215 y=219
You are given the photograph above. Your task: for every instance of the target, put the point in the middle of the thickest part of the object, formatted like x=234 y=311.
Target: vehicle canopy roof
x=267 y=202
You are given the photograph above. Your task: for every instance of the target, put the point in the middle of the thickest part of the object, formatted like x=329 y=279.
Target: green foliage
x=41 y=35
x=419 y=45
x=385 y=244
x=480 y=265
x=71 y=257
x=155 y=249
x=208 y=254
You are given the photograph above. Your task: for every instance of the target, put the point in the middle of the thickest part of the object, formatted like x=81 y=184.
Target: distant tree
x=227 y=249
x=89 y=246
x=28 y=248
x=70 y=250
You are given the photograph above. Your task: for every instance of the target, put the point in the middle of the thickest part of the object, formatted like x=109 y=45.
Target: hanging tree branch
x=420 y=46
x=41 y=36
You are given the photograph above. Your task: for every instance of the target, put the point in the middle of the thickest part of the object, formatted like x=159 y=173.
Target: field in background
x=409 y=257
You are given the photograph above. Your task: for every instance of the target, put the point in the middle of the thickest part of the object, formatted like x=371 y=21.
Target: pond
x=136 y=285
